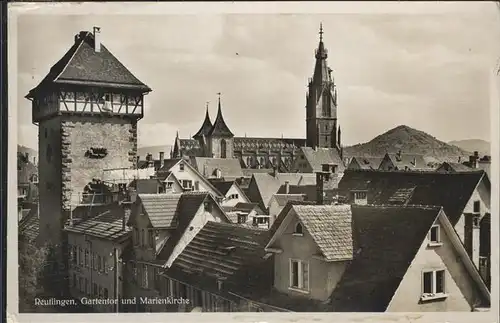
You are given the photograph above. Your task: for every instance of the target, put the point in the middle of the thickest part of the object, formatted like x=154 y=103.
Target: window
x=161 y=189
x=143 y=237
x=298 y=229
x=104 y=265
x=105 y=293
x=74 y=280
x=242 y=218
x=433 y=284
x=94 y=261
x=151 y=238
x=80 y=256
x=86 y=258
x=136 y=236
x=299 y=275
x=181 y=167
x=99 y=264
x=234 y=196
x=74 y=260
x=87 y=289
x=49 y=153
x=80 y=284
x=223 y=148
x=434 y=234
x=208 y=206
x=476 y=220
x=144 y=276
x=45 y=132
x=198 y=298
x=182 y=290
x=94 y=289
x=477 y=206
x=170 y=184
x=187 y=184
x=196 y=186
x=360 y=197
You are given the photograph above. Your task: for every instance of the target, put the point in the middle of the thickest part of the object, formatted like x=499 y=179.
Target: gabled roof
x=205 y=127
x=247 y=207
x=108 y=225
x=410 y=161
x=284 y=212
x=297 y=178
x=82 y=65
x=262 y=187
x=319 y=156
x=188 y=206
x=164 y=171
x=222 y=186
x=450 y=190
x=220 y=129
x=229 y=252
x=308 y=191
x=456 y=167
x=329 y=227
x=230 y=167
x=282 y=199
x=160 y=208
x=383 y=252
x=367 y=162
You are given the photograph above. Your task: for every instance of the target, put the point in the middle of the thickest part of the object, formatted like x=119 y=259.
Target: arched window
x=223 y=147
x=249 y=161
x=298 y=229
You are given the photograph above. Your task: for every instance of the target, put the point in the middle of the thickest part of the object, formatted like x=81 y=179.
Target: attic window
x=477 y=207
x=435 y=235
x=298 y=230
x=181 y=167
x=96 y=153
x=208 y=206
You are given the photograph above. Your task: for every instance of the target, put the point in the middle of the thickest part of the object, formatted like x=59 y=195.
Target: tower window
x=49 y=153
x=46 y=133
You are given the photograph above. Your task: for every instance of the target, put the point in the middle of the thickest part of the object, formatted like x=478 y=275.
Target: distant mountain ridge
x=409 y=141
x=479 y=145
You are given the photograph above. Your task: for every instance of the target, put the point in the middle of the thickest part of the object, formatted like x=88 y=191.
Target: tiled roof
x=219 y=128
x=164 y=171
x=146 y=186
x=29 y=226
x=368 y=162
x=262 y=188
x=222 y=186
x=230 y=168
x=160 y=208
x=226 y=251
x=107 y=225
x=457 y=167
x=188 y=206
x=412 y=161
x=296 y=178
x=307 y=179
x=84 y=66
x=330 y=228
x=275 y=144
x=319 y=156
x=283 y=213
x=248 y=172
x=450 y=190
x=384 y=250
x=205 y=127
x=282 y=199
x=245 y=207
x=310 y=191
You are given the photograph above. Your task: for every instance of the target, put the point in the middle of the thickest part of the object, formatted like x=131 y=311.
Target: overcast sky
x=430 y=72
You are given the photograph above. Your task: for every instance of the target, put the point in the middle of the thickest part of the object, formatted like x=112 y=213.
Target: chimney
x=476 y=154
x=34 y=160
x=137 y=158
x=459 y=159
x=97 y=39
x=319 y=188
x=287 y=187
x=162 y=159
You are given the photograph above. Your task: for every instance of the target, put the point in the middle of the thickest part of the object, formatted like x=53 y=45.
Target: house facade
x=95 y=250
x=401 y=161
x=231 y=191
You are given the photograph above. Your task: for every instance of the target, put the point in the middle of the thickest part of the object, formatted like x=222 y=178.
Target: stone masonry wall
x=78 y=134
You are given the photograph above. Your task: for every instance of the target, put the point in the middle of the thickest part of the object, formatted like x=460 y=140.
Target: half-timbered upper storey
x=88 y=80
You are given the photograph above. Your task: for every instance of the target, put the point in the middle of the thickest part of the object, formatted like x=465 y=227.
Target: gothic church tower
x=321 y=104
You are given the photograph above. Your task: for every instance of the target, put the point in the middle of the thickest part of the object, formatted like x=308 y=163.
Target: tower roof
x=205 y=127
x=220 y=129
x=83 y=65
x=321 y=71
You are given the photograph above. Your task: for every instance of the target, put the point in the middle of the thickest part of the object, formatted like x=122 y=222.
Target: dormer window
x=299 y=231
x=435 y=235
x=477 y=207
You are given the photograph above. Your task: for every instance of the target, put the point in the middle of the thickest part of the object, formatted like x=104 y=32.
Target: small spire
x=219 y=99
x=177 y=134
x=320 y=31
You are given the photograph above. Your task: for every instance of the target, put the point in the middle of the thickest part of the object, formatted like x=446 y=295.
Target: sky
x=428 y=71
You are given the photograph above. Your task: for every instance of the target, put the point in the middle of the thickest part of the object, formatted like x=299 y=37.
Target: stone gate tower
x=86 y=109
x=321 y=104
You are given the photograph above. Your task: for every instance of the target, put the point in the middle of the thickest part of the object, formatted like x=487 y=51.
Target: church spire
x=205 y=127
x=321 y=72
x=220 y=129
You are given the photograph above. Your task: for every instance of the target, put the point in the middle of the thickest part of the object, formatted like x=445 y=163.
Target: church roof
x=82 y=65
x=220 y=129
x=205 y=127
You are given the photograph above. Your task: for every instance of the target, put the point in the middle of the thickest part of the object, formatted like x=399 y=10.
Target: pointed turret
x=321 y=70
x=220 y=129
x=205 y=127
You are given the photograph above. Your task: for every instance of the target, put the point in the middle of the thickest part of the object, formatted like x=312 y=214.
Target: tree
x=32 y=260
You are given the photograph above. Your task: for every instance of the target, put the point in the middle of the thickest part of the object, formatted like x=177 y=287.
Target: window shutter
x=305 y=275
